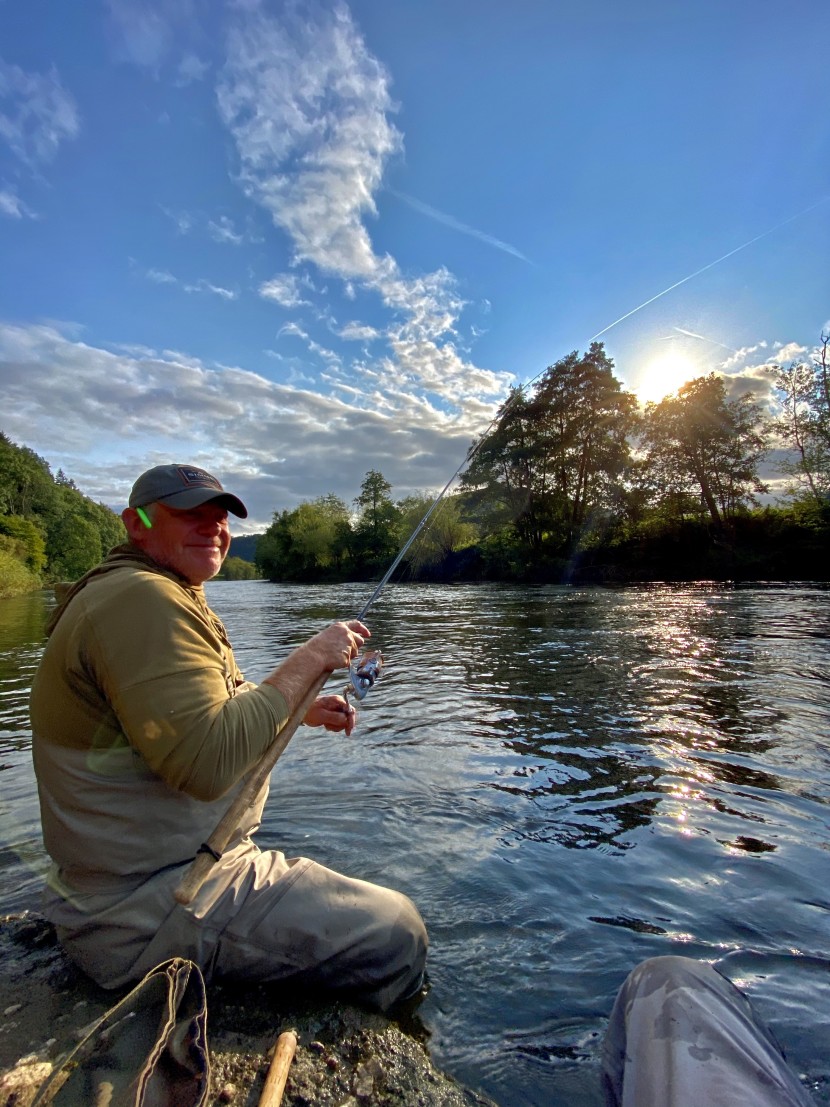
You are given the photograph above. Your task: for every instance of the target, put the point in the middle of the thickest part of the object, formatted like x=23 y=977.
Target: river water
x=565 y=781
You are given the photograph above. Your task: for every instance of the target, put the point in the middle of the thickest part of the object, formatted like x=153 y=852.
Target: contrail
x=457 y=225
x=702 y=337
x=711 y=265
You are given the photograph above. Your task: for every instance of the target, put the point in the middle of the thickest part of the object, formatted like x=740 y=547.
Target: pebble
x=365 y=1076
x=228 y=1093
x=25 y=1074
x=15 y=1007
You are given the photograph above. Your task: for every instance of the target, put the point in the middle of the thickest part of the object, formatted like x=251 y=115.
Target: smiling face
x=193 y=543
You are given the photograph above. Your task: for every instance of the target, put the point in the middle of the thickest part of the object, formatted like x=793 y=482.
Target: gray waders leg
x=682 y=1035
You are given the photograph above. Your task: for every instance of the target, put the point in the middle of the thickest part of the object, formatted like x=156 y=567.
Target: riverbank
x=345 y=1055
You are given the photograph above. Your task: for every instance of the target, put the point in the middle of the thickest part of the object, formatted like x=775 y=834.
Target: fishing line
x=474 y=448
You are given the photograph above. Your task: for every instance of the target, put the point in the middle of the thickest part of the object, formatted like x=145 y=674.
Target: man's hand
x=338 y=644
x=332 y=712
x=333 y=648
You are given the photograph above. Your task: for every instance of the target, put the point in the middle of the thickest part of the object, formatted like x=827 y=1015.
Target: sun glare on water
x=664 y=376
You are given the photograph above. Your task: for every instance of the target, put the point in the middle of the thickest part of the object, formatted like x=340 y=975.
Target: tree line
x=573 y=482
x=576 y=482
x=49 y=530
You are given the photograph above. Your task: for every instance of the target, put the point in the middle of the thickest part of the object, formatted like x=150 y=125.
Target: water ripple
x=565 y=781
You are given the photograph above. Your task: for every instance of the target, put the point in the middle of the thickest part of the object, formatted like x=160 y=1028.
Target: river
x=565 y=780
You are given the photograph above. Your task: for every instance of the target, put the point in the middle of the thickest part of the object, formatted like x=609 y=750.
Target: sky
x=293 y=242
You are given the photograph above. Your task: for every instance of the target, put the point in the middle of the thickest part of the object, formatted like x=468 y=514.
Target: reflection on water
x=565 y=781
x=22 y=861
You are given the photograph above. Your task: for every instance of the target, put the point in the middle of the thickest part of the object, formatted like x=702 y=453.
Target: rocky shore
x=346 y=1056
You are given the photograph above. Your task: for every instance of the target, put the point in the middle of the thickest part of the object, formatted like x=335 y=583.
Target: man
x=144 y=730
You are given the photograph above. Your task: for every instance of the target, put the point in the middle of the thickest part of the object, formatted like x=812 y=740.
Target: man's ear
x=136 y=528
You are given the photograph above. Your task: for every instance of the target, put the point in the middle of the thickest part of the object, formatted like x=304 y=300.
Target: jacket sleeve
x=172 y=683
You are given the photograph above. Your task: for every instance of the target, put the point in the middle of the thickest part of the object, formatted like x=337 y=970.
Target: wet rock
x=346 y=1057
x=19 y=1085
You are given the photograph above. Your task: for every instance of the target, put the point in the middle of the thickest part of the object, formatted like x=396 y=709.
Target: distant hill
x=244 y=547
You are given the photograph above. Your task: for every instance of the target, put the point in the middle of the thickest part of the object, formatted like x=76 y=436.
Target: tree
x=558 y=460
x=699 y=442
x=446 y=529
x=15 y=577
x=78 y=532
x=307 y=542
x=26 y=483
x=803 y=393
x=29 y=542
x=234 y=568
x=74 y=545
x=375 y=535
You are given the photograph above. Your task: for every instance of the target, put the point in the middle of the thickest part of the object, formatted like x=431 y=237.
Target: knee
x=408 y=935
x=668 y=971
x=400 y=956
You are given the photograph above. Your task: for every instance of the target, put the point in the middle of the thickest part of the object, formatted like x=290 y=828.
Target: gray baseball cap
x=182 y=487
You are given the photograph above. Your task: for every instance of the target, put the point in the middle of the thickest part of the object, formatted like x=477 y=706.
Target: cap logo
x=197 y=478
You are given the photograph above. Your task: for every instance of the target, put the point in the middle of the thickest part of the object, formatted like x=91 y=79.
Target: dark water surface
x=565 y=781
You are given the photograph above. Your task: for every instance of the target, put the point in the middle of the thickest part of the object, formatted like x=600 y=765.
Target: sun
x=665 y=375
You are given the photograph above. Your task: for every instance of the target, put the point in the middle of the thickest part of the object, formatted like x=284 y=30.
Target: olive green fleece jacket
x=141 y=723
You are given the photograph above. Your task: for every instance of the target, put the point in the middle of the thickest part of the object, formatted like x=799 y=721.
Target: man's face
x=193 y=543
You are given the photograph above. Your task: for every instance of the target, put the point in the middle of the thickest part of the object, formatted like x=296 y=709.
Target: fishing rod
x=365 y=671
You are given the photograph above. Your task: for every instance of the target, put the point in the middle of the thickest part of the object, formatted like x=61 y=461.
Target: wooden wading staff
x=211 y=851
x=284 y=1052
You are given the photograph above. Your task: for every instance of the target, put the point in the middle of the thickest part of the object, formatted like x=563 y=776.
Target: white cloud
x=215 y=289
x=36 y=114
x=13 y=206
x=789 y=351
x=162 y=276
x=283 y=289
x=191 y=68
x=743 y=355
x=80 y=406
x=223 y=230
x=292 y=329
x=358 y=332
x=309 y=109
x=295 y=330
x=141 y=34
x=184 y=220
x=307 y=106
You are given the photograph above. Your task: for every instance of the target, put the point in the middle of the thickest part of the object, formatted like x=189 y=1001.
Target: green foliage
x=30 y=545
x=803 y=393
x=235 y=568
x=446 y=530
x=74 y=545
x=375 y=537
x=15 y=578
x=26 y=484
x=57 y=533
x=557 y=461
x=309 y=542
x=701 y=444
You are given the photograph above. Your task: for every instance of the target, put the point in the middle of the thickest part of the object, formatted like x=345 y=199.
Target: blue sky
x=293 y=242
